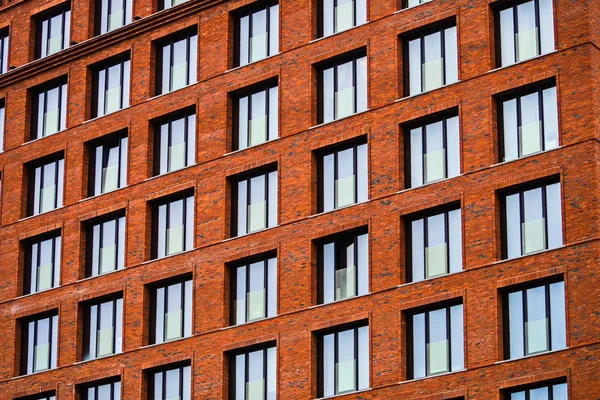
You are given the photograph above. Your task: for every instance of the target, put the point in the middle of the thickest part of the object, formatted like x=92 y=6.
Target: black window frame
x=162 y=4
x=63 y=10
x=321 y=17
x=58 y=159
x=50 y=395
x=2 y=124
x=38 y=128
x=507 y=393
x=53 y=341
x=119 y=219
x=190 y=36
x=405 y=3
x=4 y=49
x=28 y=276
x=182 y=367
x=102 y=68
x=189 y=126
x=231 y=356
x=188 y=231
x=105 y=5
x=118 y=140
x=272 y=34
x=117 y=321
x=153 y=325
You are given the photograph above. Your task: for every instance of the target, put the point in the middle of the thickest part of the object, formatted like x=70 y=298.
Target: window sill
x=105 y=115
x=169 y=173
x=531 y=356
x=169 y=256
x=97 y=358
x=522 y=62
x=43 y=137
x=165 y=342
x=428 y=184
x=171 y=91
x=248 y=323
x=98 y=276
x=411 y=8
x=428 y=91
x=33 y=373
x=526 y=157
x=337 y=120
x=338 y=209
x=338 y=33
x=102 y=194
x=432 y=376
x=249 y=233
x=33 y=294
x=251 y=147
x=343 y=394
x=37 y=215
x=431 y=279
x=252 y=63
x=528 y=255
x=338 y=301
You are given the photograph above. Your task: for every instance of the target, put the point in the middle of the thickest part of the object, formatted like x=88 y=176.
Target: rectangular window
x=105 y=242
x=110 y=390
x=535 y=320
x=176 y=62
x=166 y=4
x=343 y=267
x=528 y=123
x=254 y=290
x=343 y=177
x=42 y=263
x=531 y=220
x=43 y=396
x=173 y=226
x=525 y=29
x=39 y=343
x=112 y=14
x=53 y=30
x=343 y=361
x=435 y=339
x=108 y=165
x=175 y=143
x=413 y=3
x=103 y=328
x=255 y=116
x=2 y=124
x=171 y=311
x=430 y=60
x=110 y=87
x=46 y=185
x=254 y=202
x=49 y=109
x=342 y=88
x=172 y=382
x=434 y=245
x=256 y=33
x=340 y=15
x=253 y=373
x=4 y=35
x=432 y=151
x=556 y=391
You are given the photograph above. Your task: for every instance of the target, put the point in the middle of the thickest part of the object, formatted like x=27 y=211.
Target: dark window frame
x=181 y=367
x=119 y=140
x=249 y=11
x=404 y=3
x=155 y=223
x=190 y=122
x=120 y=218
x=56 y=238
x=58 y=159
x=37 y=131
x=169 y=41
x=264 y=347
x=124 y=60
x=4 y=49
x=153 y=298
x=92 y=354
x=99 y=27
x=507 y=393
x=53 y=326
x=46 y=15
x=321 y=16
x=49 y=395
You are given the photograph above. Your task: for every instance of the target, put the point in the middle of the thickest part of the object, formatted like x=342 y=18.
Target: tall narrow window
x=4 y=34
x=254 y=202
x=108 y=390
x=110 y=87
x=343 y=177
x=433 y=151
x=175 y=143
x=413 y=3
x=342 y=88
x=112 y=14
x=525 y=29
x=256 y=33
x=430 y=60
x=49 y=109
x=53 y=30
x=255 y=116
x=108 y=165
x=171 y=311
x=343 y=361
x=535 y=320
x=339 y=15
x=528 y=123
x=39 y=343
x=254 y=290
x=434 y=245
x=105 y=242
x=45 y=185
x=42 y=263
x=166 y=4
x=343 y=267
x=173 y=226
x=2 y=124
x=103 y=328
x=176 y=62
x=435 y=341
x=170 y=382
x=253 y=373
x=531 y=220
x=556 y=391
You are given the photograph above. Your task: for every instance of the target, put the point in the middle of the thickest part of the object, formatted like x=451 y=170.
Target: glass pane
x=48 y=198
x=257 y=216
x=272 y=287
x=105 y=341
x=363 y=357
x=110 y=178
x=536 y=326
x=418 y=338
x=273 y=111
x=557 y=316
x=453 y=147
x=539 y=393
x=418 y=250
x=456 y=333
x=361 y=11
x=255 y=386
x=274 y=29
x=451 y=55
x=240 y=295
x=534 y=226
x=175 y=239
x=344 y=96
x=44 y=277
x=328 y=95
x=515 y=324
x=51 y=122
x=546 y=28
x=437 y=348
x=416 y=157
x=328 y=365
x=507 y=43
x=328 y=272
x=455 y=238
x=554 y=213
x=363 y=263
x=242 y=191
x=550 y=118
x=115 y=19
x=172 y=388
x=256 y=304
x=530 y=131
x=345 y=368
x=255 y=390
x=42 y=357
x=345 y=283
x=328 y=183
x=509 y=127
x=435 y=165
x=433 y=64
x=272 y=200
x=344 y=15
x=513 y=226
x=107 y=258
x=344 y=185
x=173 y=324
x=361 y=84
x=527 y=34
x=435 y=257
x=414 y=64
x=258 y=122
x=240 y=376
x=259 y=38
x=559 y=392
x=271 y=373
x=328 y=19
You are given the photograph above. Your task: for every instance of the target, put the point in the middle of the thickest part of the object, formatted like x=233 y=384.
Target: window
x=343 y=177
x=528 y=123
x=254 y=202
x=339 y=15
x=2 y=123
x=343 y=361
x=43 y=396
x=556 y=391
x=112 y=14
x=433 y=151
x=256 y=33
x=176 y=62
x=435 y=245
x=103 y=328
x=525 y=30
x=39 y=343
x=42 y=263
x=343 y=267
x=165 y=4
x=430 y=60
x=175 y=143
x=46 y=185
x=255 y=116
x=49 y=109
x=254 y=290
x=531 y=220
x=110 y=87
x=342 y=88
x=105 y=241
x=110 y=390
x=413 y=3
x=435 y=339
x=253 y=373
x=535 y=320
x=171 y=315
x=3 y=50
x=108 y=165
x=53 y=30
x=171 y=382
x=173 y=226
